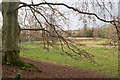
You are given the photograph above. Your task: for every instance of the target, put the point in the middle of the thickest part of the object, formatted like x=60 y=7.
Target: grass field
x=100 y=42
x=106 y=58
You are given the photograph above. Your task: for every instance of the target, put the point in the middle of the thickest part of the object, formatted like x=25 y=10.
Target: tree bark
x=118 y=33
x=10 y=33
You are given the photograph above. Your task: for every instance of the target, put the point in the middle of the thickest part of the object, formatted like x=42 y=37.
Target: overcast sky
x=73 y=22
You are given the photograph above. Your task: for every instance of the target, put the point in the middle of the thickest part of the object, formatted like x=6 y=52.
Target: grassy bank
x=106 y=58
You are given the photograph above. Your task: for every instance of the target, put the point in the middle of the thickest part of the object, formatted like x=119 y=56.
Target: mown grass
x=106 y=59
x=100 y=42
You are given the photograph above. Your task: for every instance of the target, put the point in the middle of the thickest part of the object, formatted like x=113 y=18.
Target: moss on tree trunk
x=10 y=36
x=10 y=33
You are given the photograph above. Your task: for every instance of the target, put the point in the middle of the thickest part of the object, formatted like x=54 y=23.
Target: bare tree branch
x=34 y=29
x=69 y=46
x=62 y=4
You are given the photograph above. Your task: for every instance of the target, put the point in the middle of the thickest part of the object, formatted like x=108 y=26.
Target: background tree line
x=108 y=31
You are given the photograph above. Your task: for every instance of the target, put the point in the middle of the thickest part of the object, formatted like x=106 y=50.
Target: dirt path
x=51 y=71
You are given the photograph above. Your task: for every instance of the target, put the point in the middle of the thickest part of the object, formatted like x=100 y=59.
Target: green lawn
x=100 y=42
x=106 y=58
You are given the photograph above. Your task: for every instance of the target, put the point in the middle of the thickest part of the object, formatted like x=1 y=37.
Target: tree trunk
x=119 y=51
x=10 y=33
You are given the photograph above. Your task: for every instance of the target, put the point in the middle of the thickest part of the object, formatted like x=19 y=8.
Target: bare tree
x=11 y=29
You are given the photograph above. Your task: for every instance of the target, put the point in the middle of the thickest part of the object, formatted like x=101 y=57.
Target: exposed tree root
x=13 y=59
x=23 y=65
